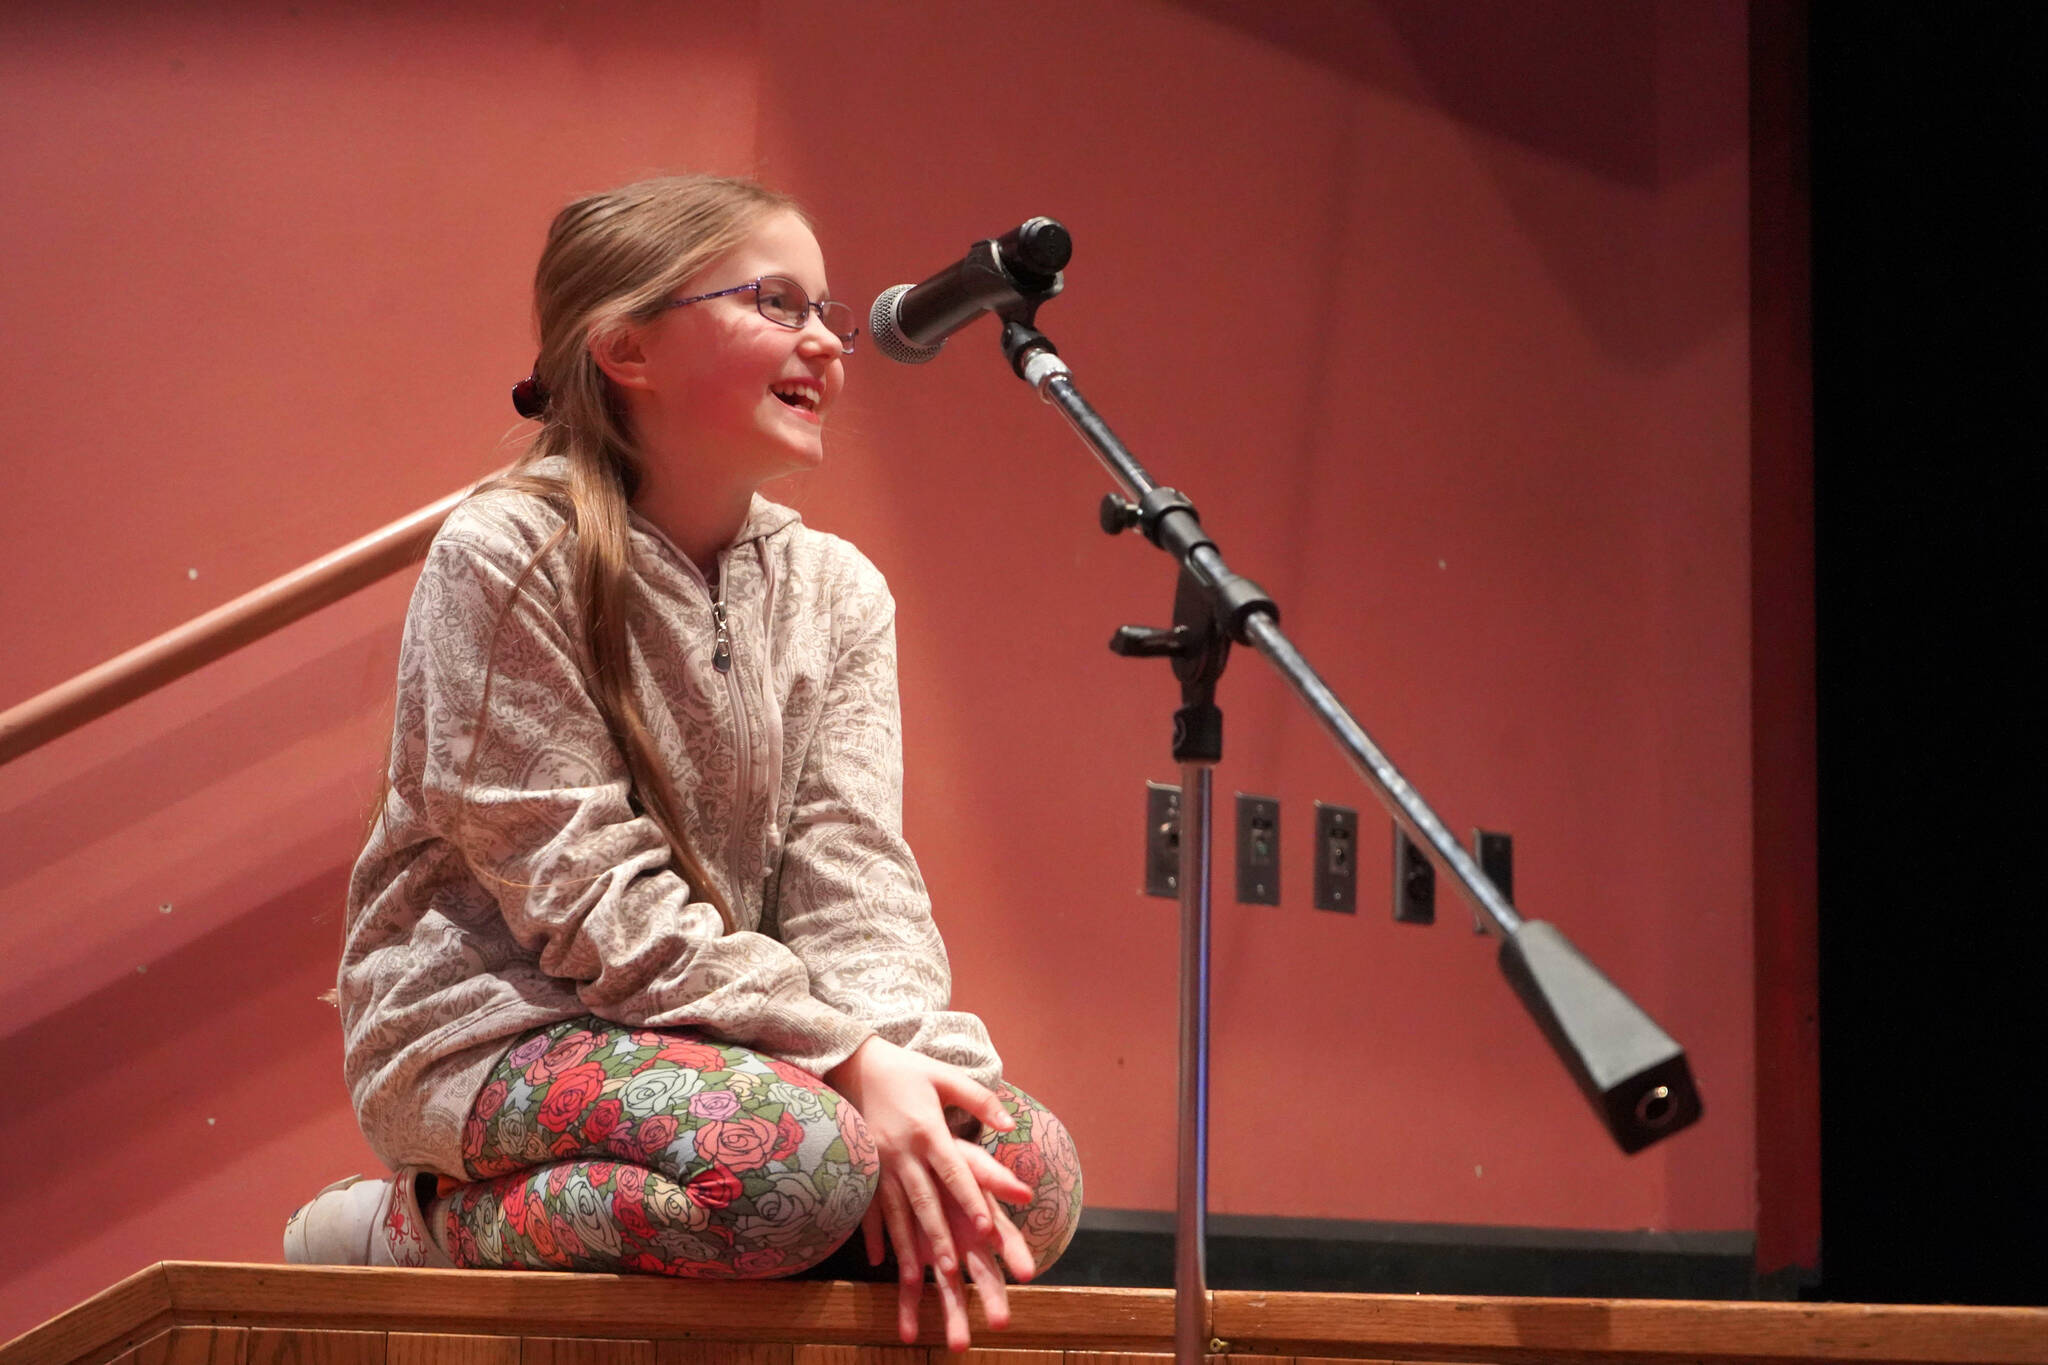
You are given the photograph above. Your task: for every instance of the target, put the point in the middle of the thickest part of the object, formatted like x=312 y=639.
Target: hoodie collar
x=764 y=518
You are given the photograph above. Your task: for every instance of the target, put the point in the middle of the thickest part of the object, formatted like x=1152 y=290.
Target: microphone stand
x=1633 y=1073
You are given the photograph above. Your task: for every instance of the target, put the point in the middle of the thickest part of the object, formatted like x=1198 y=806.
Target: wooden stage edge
x=198 y=1313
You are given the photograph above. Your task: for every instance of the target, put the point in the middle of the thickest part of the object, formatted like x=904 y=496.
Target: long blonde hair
x=612 y=260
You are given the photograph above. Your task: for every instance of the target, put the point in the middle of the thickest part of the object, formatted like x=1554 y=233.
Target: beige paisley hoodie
x=538 y=894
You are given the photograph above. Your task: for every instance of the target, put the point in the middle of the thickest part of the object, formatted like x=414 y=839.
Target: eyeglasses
x=783 y=302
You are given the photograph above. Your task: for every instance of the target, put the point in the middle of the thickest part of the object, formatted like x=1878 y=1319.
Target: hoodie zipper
x=721 y=659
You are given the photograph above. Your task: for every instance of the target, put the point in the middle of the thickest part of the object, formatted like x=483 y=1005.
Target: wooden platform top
x=1105 y=1325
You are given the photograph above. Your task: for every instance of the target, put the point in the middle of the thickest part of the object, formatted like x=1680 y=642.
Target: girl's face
x=745 y=397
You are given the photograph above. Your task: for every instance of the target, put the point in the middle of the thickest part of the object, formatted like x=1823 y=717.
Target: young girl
x=639 y=973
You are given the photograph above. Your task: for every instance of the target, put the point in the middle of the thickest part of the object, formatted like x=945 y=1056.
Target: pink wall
x=1442 y=313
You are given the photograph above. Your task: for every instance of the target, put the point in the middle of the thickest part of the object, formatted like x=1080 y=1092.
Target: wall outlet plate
x=1414 y=882
x=1162 y=840
x=1494 y=851
x=1258 y=850
x=1336 y=867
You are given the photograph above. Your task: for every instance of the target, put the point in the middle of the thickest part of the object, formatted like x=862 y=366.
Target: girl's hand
x=984 y=1258
x=937 y=1197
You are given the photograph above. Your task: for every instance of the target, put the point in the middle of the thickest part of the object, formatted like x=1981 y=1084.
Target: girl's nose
x=817 y=335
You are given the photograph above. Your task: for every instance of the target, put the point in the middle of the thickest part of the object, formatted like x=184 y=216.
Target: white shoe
x=363 y=1222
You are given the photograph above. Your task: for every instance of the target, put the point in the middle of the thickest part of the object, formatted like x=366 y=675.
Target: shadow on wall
x=173 y=1078
x=142 y=1087
x=324 y=691
x=1561 y=77
x=1645 y=98
x=125 y=841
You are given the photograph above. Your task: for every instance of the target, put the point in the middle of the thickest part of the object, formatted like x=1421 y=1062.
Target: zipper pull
x=721 y=652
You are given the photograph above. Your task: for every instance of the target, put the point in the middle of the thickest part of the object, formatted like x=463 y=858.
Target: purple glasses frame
x=803 y=312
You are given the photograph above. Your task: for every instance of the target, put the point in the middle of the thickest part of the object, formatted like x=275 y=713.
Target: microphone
x=910 y=322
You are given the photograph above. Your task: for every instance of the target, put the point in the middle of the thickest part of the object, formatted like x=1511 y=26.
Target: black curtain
x=1929 y=166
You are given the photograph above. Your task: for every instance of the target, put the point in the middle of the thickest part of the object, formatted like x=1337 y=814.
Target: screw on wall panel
x=1495 y=854
x=1162 y=840
x=1336 y=865
x=1258 y=850
x=1414 y=882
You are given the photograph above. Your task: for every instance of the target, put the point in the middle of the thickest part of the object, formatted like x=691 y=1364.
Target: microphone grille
x=888 y=334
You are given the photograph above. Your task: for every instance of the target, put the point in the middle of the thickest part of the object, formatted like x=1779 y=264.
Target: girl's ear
x=620 y=353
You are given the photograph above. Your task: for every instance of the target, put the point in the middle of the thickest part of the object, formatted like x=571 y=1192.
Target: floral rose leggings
x=598 y=1147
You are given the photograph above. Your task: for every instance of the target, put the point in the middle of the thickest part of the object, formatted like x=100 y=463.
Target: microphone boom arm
x=1634 y=1074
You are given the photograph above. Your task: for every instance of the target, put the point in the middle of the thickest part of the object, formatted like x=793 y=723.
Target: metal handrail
x=223 y=630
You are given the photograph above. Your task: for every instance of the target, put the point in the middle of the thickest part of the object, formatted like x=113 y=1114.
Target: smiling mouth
x=802 y=397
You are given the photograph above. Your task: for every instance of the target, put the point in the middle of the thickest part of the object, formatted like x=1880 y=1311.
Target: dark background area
x=1928 y=234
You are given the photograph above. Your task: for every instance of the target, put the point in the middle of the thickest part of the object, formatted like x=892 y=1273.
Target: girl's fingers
x=871 y=1228
x=910 y=1253
x=910 y=1265
x=896 y=1218
x=953 y=1305
x=908 y=1291
x=993 y=1175
x=960 y=1182
x=982 y=1260
x=988 y=1286
x=1010 y=1243
x=963 y=1091
x=928 y=1212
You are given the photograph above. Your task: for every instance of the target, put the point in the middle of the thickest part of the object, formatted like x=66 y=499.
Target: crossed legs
x=598 y=1147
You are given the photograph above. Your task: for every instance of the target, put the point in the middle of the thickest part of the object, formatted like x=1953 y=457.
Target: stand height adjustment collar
x=1171 y=522
x=1156 y=506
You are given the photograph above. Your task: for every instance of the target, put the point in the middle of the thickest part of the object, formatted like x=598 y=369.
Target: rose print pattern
x=597 y=1147
x=403 y=1236
x=1040 y=1152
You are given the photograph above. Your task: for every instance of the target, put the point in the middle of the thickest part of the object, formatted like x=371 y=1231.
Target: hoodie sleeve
x=853 y=905
x=522 y=777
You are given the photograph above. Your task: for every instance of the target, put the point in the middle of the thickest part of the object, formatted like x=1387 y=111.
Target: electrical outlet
x=1258 y=850
x=1336 y=867
x=1162 y=840
x=1414 y=882
x=1495 y=854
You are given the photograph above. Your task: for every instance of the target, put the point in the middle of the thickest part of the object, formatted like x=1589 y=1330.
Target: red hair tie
x=529 y=397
